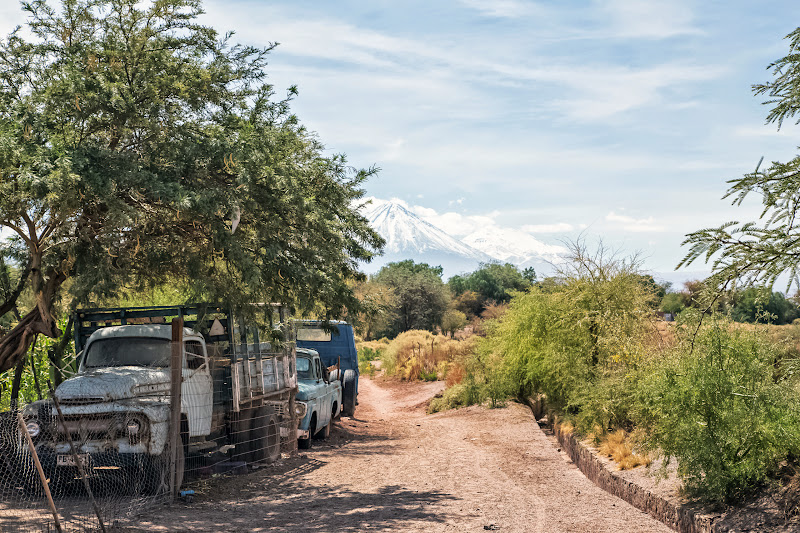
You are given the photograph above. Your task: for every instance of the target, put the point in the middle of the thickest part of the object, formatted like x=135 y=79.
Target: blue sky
x=619 y=119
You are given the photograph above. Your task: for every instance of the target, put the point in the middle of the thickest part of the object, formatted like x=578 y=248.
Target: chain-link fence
x=110 y=442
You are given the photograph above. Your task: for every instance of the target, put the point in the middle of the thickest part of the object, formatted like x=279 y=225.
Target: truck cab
x=335 y=344
x=318 y=396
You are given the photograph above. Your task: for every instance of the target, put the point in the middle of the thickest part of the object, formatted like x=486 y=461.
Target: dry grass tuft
x=418 y=354
x=616 y=446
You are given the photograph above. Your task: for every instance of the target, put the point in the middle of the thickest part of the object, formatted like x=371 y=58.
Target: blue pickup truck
x=336 y=345
x=319 y=398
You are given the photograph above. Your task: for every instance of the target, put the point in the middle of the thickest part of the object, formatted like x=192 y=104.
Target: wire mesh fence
x=110 y=442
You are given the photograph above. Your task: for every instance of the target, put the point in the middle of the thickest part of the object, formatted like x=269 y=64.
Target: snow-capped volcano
x=409 y=237
x=514 y=246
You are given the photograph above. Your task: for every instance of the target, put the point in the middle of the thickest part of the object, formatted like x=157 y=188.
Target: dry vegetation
x=618 y=447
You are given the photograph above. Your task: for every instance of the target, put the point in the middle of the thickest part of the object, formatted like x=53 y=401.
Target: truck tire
x=265 y=436
x=325 y=432
x=349 y=393
x=273 y=439
x=240 y=435
x=305 y=444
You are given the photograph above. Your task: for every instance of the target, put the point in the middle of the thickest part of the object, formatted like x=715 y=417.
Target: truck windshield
x=128 y=351
x=304 y=370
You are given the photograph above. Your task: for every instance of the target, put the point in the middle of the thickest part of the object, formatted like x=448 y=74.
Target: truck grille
x=83 y=428
x=81 y=400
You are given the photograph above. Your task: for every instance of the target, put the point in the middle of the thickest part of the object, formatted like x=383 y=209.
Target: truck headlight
x=33 y=428
x=300 y=409
x=133 y=427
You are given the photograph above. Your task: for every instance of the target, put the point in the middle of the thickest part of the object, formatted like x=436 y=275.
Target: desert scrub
x=418 y=354
x=713 y=403
x=467 y=393
x=580 y=341
x=618 y=447
x=366 y=355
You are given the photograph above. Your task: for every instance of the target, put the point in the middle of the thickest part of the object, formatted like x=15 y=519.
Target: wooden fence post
x=176 y=377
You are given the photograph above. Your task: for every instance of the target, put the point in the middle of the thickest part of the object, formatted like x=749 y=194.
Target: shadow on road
x=302 y=508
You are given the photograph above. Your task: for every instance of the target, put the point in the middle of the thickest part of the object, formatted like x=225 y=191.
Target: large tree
x=759 y=252
x=420 y=294
x=139 y=148
x=493 y=282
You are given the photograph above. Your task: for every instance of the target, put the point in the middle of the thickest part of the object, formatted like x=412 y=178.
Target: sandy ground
x=393 y=467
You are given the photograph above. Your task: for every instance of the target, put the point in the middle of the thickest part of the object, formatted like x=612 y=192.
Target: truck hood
x=306 y=389
x=113 y=383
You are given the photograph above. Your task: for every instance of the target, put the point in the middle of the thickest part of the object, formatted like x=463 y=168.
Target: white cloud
x=437 y=72
x=455 y=224
x=502 y=8
x=650 y=19
x=770 y=130
x=559 y=227
x=634 y=225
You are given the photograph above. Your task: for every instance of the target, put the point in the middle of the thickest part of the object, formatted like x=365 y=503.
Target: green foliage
x=468 y=302
x=672 y=302
x=759 y=304
x=420 y=294
x=139 y=148
x=757 y=253
x=578 y=340
x=453 y=320
x=428 y=376
x=377 y=303
x=36 y=373
x=460 y=395
x=365 y=357
x=493 y=282
x=718 y=410
x=368 y=354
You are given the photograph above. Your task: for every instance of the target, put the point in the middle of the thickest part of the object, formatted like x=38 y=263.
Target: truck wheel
x=305 y=444
x=349 y=393
x=325 y=432
x=241 y=435
x=273 y=439
x=265 y=436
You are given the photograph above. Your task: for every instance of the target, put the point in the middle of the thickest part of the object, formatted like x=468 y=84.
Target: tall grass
x=418 y=354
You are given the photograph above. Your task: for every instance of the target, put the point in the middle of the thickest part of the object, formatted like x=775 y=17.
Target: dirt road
x=395 y=468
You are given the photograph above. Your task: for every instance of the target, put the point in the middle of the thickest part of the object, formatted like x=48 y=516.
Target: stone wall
x=677 y=516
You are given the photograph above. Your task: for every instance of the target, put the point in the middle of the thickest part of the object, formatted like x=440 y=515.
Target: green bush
x=461 y=395
x=580 y=341
x=365 y=353
x=718 y=410
x=428 y=376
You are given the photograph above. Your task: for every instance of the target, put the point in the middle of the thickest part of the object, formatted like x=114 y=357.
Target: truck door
x=325 y=397
x=197 y=392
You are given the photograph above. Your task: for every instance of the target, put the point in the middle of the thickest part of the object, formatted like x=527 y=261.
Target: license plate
x=69 y=460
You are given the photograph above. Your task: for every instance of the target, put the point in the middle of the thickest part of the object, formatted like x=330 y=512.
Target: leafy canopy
x=139 y=148
x=759 y=252
x=421 y=297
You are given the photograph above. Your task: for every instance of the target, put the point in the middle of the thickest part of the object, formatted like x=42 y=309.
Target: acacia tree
x=759 y=252
x=138 y=147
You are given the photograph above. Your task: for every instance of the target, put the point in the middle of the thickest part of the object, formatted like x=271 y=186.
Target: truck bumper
x=302 y=434
x=96 y=464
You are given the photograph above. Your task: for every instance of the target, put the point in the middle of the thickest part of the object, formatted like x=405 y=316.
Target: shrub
x=461 y=395
x=416 y=353
x=616 y=445
x=718 y=410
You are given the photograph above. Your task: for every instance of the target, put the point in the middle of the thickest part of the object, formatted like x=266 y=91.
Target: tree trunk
x=15 y=386
x=16 y=343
